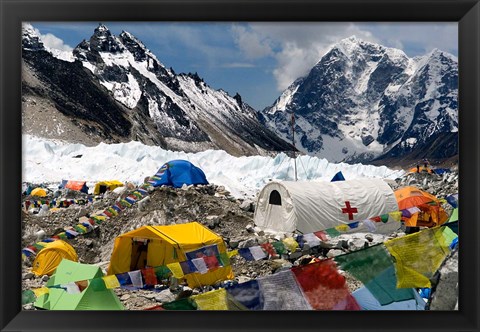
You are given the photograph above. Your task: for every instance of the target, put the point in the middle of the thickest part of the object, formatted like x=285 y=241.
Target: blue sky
x=257 y=60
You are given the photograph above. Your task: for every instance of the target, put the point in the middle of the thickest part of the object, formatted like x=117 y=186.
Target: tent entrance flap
x=138 y=259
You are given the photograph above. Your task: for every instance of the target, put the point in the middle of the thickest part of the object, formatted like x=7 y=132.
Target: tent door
x=139 y=255
x=103 y=189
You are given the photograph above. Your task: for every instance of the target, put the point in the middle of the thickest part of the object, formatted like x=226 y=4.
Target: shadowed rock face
x=117 y=90
x=368 y=93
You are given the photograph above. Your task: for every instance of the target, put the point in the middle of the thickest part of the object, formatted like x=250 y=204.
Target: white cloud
x=53 y=42
x=296 y=47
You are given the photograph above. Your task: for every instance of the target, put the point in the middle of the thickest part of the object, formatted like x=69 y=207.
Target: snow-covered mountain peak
x=361 y=99
x=30 y=38
x=103 y=40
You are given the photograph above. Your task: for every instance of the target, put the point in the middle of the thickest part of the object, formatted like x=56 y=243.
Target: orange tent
x=422 y=169
x=431 y=212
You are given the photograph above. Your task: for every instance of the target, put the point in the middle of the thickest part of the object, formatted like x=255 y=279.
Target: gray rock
x=246 y=205
x=82 y=212
x=357 y=244
x=334 y=253
x=125 y=297
x=369 y=237
x=248 y=243
x=295 y=255
x=164 y=296
x=44 y=278
x=28 y=275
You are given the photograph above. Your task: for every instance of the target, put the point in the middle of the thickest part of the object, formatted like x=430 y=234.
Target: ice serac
x=363 y=101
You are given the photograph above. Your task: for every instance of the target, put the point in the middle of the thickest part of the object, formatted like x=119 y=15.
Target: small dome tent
x=40 y=192
x=176 y=173
x=102 y=186
x=308 y=206
x=51 y=255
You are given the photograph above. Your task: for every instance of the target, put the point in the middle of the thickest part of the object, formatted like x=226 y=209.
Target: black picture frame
x=14 y=12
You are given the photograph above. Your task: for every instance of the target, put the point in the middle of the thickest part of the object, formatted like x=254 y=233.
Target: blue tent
x=176 y=173
x=338 y=177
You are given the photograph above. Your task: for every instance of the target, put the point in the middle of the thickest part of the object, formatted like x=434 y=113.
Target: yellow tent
x=102 y=186
x=40 y=192
x=161 y=245
x=51 y=255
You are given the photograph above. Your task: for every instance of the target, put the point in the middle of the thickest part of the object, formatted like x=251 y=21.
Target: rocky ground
x=212 y=206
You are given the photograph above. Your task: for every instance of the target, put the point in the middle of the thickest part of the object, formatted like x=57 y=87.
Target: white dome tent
x=310 y=206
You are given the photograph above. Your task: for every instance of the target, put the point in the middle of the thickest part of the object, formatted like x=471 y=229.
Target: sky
x=257 y=60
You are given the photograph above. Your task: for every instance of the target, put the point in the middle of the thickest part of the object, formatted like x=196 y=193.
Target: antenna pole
x=293 y=145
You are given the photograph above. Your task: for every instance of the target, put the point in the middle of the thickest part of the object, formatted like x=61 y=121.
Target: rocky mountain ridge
x=363 y=101
x=115 y=90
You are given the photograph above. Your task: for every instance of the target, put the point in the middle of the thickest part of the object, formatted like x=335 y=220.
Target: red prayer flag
x=324 y=287
x=211 y=262
x=268 y=247
x=149 y=276
x=321 y=235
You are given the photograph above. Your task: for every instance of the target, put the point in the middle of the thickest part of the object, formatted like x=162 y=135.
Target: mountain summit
x=364 y=101
x=116 y=90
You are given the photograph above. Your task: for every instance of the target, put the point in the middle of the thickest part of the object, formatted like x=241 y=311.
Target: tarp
x=440 y=171
x=50 y=257
x=308 y=206
x=162 y=245
x=75 y=185
x=69 y=272
x=107 y=185
x=368 y=302
x=176 y=173
x=40 y=192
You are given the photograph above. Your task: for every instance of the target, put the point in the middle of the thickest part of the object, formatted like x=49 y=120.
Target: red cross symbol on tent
x=350 y=210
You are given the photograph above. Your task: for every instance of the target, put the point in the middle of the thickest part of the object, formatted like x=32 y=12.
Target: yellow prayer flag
x=40 y=291
x=396 y=216
x=214 y=300
x=23 y=257
x=290 y=243
x=342 y=228
x=232 y=253
x=176 y=269
x=111 y=281
x=418 y=256
x=83 y=228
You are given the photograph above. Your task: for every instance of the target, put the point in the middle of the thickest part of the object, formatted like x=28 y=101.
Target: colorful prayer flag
x=136 y=277
x=149 y=276
x=111 y=281
x=322 y=285
x=282 y=292
x=418 y=256
x=176 y=270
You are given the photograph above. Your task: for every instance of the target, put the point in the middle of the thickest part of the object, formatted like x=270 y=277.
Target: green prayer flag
x=183 y=304
x=365 y=264
x=162 y=272
x=384 y=218
x=28 y=297
x=384 y=288
x=279 y=247
x=223 y=258
x=332 y=232
x=97 y=284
